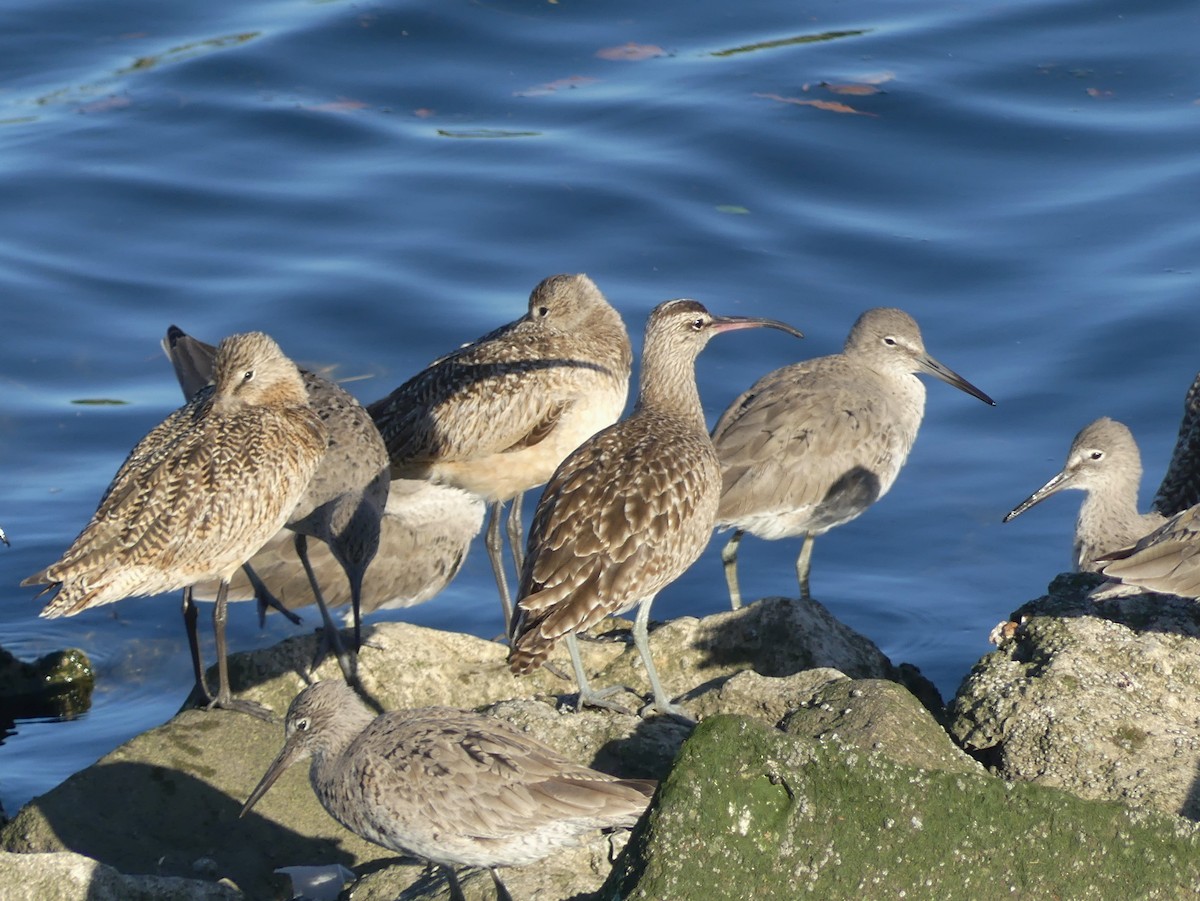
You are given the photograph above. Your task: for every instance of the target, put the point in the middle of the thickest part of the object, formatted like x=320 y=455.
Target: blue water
x=375 y=183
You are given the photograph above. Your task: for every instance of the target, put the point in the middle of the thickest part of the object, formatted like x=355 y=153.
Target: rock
x=170 y=798
x=751 y=812
x=64 y=876
x=57 y=684
x=1101 y=699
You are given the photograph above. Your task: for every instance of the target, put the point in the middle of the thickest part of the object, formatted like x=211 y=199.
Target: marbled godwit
x=451 y=787
x=198 y=495
x=345 y=498
x=630 y=509
x=1105 y=464
x=498 y=415
x=812 y=445
x=424 y=536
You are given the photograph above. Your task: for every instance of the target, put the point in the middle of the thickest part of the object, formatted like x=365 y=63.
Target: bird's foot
x=252 y=708
x=591 y=697
x=659 y=707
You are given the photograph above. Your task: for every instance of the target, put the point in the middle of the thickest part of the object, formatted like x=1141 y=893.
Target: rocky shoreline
x=1068 y=765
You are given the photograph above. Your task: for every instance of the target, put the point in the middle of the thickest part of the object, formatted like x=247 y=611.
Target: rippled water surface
x=375 y=183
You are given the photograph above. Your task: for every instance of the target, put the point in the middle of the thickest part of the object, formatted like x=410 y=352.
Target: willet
x=1103 y=462
x=1166 y=560
x=451 y=787
x=497 y=416
x=630 y=509
x=1180 y=487
x=812 y=445
x=198 y=495
x=424 y=536
x=345 y=499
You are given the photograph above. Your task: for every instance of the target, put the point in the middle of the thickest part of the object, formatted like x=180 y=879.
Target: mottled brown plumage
x=1166 y=560
x=424 y=536
x=451 y=787
x=812 y=445
x=497 y=416
x=1180 y=487
x=344 y=501
x=631 y=509
x=1105 y=464
x=201 y=492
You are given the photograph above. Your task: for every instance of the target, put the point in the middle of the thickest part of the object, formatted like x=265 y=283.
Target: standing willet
x=424 y=536
x=498 y=415
x=451 y=787
x=812 y=445
x=631 y=509
x=198 y=495
x=1103 y=462
x=345 y=498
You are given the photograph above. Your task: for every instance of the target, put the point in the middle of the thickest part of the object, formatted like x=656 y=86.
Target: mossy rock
x=750 y=812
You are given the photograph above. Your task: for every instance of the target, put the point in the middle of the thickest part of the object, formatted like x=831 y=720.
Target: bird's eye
x=248 y=375
x=889 y=341
x=543 y=312
x=303 y=723
x=697 y=324
x=1097 y=455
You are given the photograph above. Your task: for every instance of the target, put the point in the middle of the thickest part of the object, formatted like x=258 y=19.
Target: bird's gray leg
x=516 y=534
x=495 y=549
x=330 y=632
x=266 y=598
x=803 y=564
x=456 y=892
x=190 y=615
x=224 y=698
x=729 y=558
x=641 y=638
x=501 y=890
x=588 y=696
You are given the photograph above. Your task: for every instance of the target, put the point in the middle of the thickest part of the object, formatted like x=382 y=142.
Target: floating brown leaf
x=335 y=106
x=424 y=112
x=862 y=90
x=550 y=87
x=631 y=52
x=830 y=105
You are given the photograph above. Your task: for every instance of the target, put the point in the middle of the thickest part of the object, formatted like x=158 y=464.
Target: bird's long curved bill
x=1055 y=485
x=733 y=323
x=290 y=753
x=950 y=377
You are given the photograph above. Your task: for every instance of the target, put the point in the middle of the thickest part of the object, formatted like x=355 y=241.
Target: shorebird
x=198 y=495
x=1166 y=560
x=424 y=536
x=4 y=538
x=497 y=416
x=812 y=445
x=454 y=788
x=1103 y=462
x=345 y=499
x=630 y=509
x=1180 y=487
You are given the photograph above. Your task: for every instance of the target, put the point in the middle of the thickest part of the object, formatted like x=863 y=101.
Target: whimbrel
x=630 y=509
x=345 y=499
x=812 y=445
x=424 y=536
x=1103 y=462
x=451 y=787
x=198 y=495
x=497 y=416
